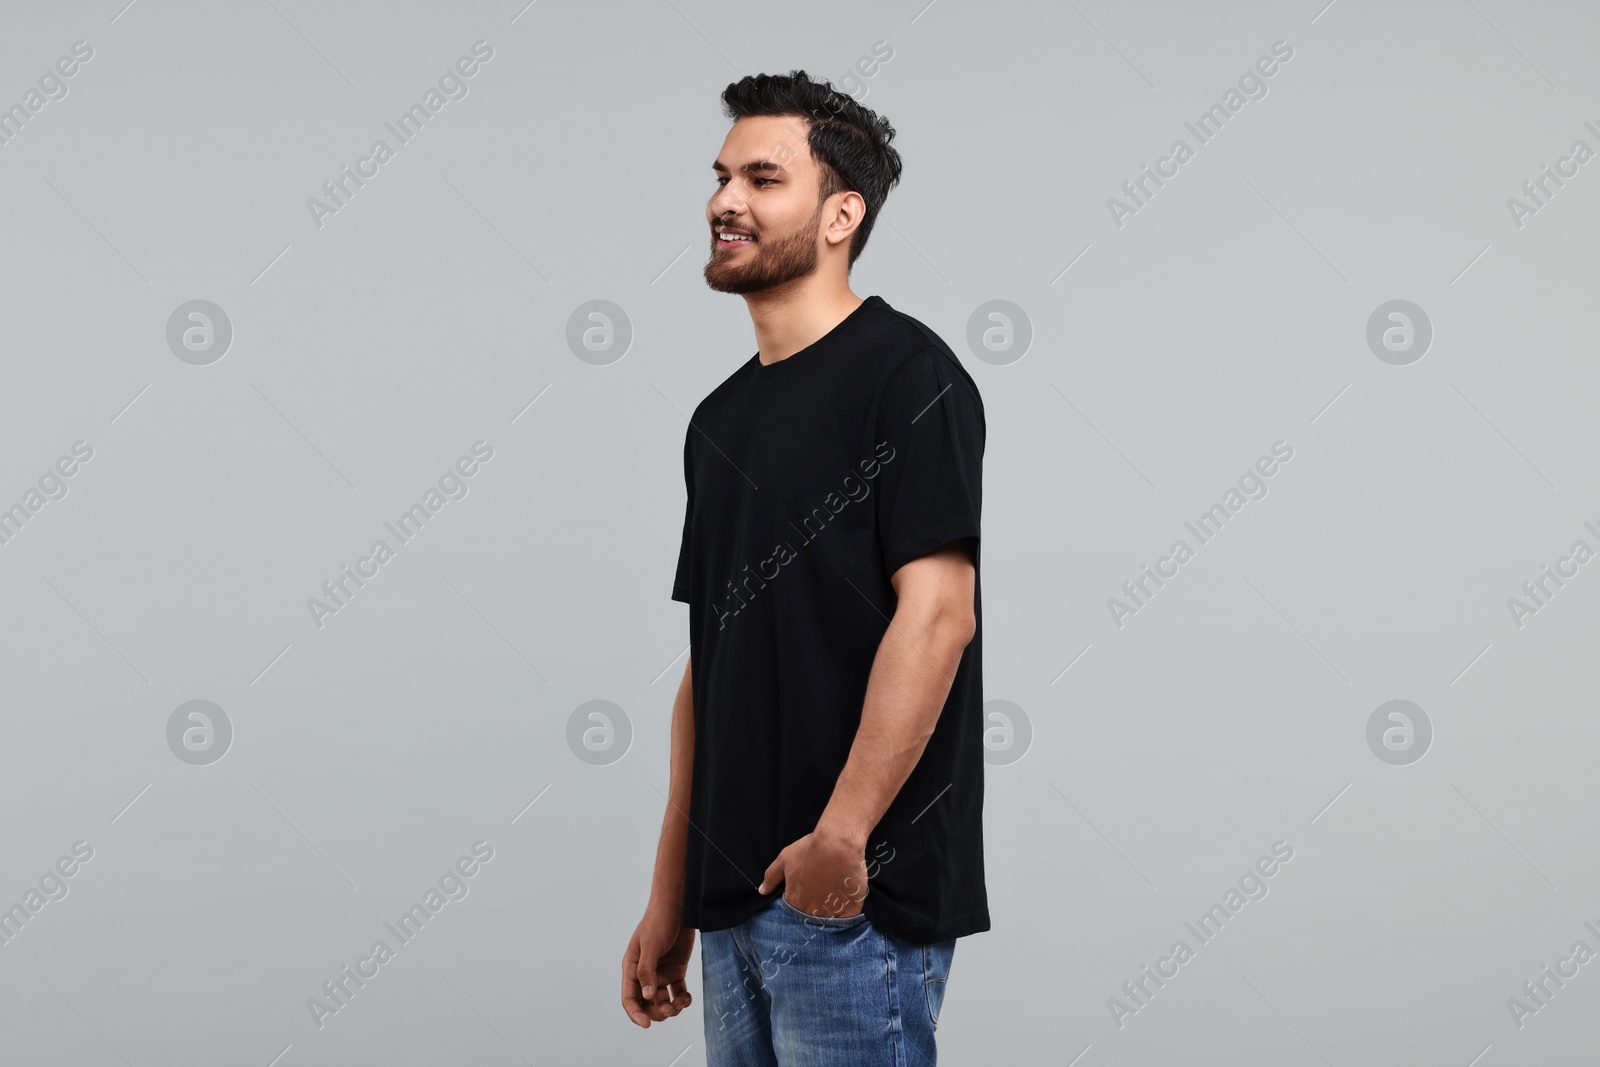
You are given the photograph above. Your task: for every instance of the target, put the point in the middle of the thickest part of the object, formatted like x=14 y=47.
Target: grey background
x=369 y=354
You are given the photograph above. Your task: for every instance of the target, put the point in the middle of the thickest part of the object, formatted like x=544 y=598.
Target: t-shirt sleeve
x=680 y=582
x=929 y=438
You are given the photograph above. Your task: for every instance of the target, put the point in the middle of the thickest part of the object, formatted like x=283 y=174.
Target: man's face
x=766 y=202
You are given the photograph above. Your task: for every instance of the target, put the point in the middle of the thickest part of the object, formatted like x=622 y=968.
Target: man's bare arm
x=666 y=886
x=915 y=666
x=911 y=678
x=657 y=959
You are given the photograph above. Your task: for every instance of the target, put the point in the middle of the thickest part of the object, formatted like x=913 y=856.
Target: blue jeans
x=786 y=989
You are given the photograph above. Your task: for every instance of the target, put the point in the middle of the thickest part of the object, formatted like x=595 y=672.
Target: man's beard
x=771 y=262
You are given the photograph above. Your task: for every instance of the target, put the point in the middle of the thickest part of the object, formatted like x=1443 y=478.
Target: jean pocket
x=936 y=959
x=821 y=920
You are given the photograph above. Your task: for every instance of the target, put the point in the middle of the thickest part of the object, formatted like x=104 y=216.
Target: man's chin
x=733 y=282
x=747 y=280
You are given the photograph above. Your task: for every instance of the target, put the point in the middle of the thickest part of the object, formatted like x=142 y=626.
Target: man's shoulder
x=720 y=392
x=896 y=336
x=914 y=342
x=912 y=330
x=916 y=338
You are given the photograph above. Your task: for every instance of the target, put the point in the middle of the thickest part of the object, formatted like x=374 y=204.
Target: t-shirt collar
x=763 y=372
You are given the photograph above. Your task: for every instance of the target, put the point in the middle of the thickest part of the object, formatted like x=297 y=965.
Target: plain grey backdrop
x=1146 y=358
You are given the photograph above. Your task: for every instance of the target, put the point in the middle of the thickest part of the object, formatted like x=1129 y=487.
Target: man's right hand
x=654 y=966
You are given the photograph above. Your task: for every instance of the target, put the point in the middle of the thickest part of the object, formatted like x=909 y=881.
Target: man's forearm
x=911 y=677
x=666 y=886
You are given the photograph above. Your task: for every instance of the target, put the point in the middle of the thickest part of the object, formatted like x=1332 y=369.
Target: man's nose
x=727 y=200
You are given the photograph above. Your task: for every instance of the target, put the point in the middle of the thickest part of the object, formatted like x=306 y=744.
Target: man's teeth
x=733 y=237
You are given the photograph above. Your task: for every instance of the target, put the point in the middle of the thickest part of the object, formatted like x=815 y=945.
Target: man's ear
x=846 y=217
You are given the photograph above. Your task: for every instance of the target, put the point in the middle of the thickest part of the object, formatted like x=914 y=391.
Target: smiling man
x=824 y=828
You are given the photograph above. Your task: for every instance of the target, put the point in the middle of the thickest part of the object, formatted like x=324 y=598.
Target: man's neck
x=791 y=317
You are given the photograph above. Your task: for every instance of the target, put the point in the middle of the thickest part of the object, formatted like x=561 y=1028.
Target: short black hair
x=850 y=143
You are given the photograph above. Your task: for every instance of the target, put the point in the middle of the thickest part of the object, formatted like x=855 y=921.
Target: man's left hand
x=822 y=875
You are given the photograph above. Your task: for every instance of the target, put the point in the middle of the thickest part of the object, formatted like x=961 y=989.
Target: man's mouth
x=731 y=239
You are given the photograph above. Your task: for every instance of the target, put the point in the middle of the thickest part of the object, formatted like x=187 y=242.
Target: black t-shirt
x=810 y=482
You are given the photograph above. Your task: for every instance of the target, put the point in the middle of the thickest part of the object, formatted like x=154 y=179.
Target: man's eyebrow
x=758 y=165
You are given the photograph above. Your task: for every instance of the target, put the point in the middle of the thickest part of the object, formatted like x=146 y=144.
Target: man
x=824 y=825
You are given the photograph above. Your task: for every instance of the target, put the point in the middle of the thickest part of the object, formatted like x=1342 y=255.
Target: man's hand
x=654 y=966
x=822 y=874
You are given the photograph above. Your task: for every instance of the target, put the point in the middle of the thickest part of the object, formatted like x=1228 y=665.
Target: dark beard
x=776 y=261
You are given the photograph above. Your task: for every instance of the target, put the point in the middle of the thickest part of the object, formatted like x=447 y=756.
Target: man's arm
x=666 y=886
x=657 y=959
x=934 y=621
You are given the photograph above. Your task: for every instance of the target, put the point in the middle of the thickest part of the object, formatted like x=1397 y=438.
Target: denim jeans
x=786 y=989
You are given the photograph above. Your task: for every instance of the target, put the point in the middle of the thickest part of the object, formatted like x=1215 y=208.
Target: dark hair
x=849 y=142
